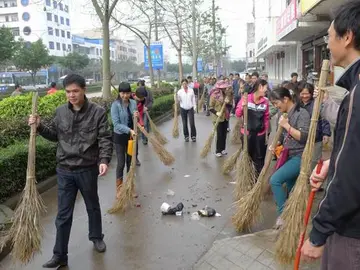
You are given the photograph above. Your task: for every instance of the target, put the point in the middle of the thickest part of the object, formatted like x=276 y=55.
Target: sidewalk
x=247 y=252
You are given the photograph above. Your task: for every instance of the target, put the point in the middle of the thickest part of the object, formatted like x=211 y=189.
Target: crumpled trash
x=207 y=212
x=195 y=216
x=166 y=209
x=170 y=193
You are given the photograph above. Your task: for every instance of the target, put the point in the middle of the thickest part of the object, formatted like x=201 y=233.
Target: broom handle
x=143 y=130
x=30 y=172
x=133 y=157
x=306 y=219
x=245 y=124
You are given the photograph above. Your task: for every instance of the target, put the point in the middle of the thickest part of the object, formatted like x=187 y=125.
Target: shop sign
x=287 y=21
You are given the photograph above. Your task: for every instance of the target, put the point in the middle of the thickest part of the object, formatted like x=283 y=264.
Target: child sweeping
x=296 y=127
x=219 y=96
x=258 y=122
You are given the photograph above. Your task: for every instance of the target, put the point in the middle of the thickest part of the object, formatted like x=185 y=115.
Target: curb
x=52 y=181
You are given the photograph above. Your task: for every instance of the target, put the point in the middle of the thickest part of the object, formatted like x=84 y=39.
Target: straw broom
x=230 y=162
x=236 y=134
x=165 y=157
x=293 y=214
x=245 y=170
x=127 y=189
x=161 y=138
x=248 y=207
x=175 y=131
x=201 y=101
x=206 y=150
x=26 y=232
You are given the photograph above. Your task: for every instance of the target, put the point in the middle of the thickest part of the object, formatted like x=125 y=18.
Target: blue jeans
x=288 y=173
x=147 y=128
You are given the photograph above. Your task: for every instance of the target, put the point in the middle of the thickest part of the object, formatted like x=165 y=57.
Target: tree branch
x=98 y=10
x=113 y=6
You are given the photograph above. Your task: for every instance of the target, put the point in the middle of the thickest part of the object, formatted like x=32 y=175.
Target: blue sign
x=157 y=56
x=199 y=65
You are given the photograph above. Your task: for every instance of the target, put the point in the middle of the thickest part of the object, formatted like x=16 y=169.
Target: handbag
x=283 y=157
x=130 y=148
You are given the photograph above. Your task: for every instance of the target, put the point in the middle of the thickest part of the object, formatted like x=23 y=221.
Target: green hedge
x=162 y=105
x=13 y=164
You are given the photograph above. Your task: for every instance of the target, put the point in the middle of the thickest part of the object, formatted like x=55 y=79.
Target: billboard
x=157 y=56
x=199 y=65
x=307 y=5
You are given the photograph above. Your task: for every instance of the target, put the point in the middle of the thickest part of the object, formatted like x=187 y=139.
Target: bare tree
x=176 y=13
x=143 y=14
x=104 y=11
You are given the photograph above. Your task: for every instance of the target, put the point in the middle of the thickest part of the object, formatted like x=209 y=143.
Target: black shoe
x=55 y=263
x=207 y=114
x=145 y=142
x=193 y=139
x=99 y=245
x=138 y=163
x=187 y=139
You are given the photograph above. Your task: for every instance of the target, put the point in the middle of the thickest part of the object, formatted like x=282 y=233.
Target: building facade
x=92 y=47
x=31 y=21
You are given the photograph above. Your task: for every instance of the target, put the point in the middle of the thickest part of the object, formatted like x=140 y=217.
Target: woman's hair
x=307 y=86
x=184 y=80
x=282 y=92
x=258 y=83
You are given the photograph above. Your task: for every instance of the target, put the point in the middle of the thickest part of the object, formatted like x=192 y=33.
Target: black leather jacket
x=84 y=136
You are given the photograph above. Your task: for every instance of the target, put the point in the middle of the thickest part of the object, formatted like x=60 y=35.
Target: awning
x=277 y=47
x=303 y=30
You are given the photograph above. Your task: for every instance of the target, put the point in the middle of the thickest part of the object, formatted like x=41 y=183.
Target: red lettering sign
x=287 y=17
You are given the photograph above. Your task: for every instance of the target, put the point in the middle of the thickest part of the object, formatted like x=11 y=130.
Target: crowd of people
x=85 y=143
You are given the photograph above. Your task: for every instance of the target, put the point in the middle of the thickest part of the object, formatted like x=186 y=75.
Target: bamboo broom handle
x=222 y=110
x=30 y=173
x=245 y=121
x=143 y=130
x=133 y=157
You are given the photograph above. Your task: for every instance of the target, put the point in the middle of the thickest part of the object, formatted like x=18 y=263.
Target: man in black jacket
x=84 y=151
x=336 y=227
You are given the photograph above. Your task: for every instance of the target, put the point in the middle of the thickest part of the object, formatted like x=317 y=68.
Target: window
x=14 y=18
x=6 y=18
x=66 y=8
x=15 y=31
x=62 y=20
x=63 y=33
x=26 y=16
x=97 y=51
x=57 y=32
x=55 y=4
x=27 y=30
x=64 y=47
x=67 y=22
x=48 y=3
x=25 y=2
x=51 y=45
x=49 y=16
x=61 y=7
x=69 y=47
x=56 y=18
x=13 y=4
x=50 y=31
x=58 y=46
x=68 y=34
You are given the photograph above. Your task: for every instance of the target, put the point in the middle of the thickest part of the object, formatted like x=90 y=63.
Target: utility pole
x=194 y=40
x=214 y=37
x=157 y=38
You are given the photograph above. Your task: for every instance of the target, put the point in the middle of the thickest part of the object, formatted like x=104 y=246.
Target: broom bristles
x=165 y=157
x=201 y=101
x=248 y=207
x=245 y=175
x=236 y=134
x=230 y=162
x=295 y=206
x=161 y=138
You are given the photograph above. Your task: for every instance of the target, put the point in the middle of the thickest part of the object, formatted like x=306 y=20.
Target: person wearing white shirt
x=186 y=97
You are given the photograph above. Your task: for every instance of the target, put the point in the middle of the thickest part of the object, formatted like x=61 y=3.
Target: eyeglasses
x=326 y=39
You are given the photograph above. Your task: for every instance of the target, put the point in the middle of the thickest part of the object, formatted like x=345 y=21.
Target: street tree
x=141 y=22
x=176 y=12
x=104 y=9
x=7 y=44
x=31 y=57
x=74 y=61
x=238 y=65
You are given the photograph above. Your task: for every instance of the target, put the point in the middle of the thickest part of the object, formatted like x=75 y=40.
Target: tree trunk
x=181 y=72
x=194 y=40
x=106 y=90
x=151 y=70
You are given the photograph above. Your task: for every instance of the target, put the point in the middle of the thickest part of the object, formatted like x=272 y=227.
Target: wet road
x=142 y=238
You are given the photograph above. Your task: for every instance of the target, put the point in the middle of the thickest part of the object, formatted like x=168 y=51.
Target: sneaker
x=187 y=139
x=99 y=245
x=218 y=155
x=224 y=153
x=193 y=139
x=138 y=163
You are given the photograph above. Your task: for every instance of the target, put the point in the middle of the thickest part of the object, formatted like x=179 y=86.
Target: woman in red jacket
x=258 y=122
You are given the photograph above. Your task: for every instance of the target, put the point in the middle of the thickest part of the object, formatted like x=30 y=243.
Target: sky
x=234 y=15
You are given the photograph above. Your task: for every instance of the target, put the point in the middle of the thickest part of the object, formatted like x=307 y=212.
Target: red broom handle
x=306 y=219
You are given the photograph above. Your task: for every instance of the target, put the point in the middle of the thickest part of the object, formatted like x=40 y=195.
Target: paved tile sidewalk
x=247 y=252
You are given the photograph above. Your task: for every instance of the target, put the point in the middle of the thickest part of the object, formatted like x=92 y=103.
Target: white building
x=32 y=20
x=126 y=50
x=250 y=47
x=92 y=47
